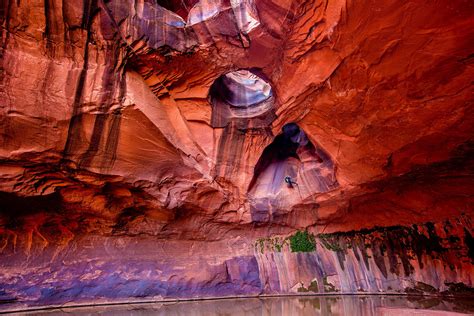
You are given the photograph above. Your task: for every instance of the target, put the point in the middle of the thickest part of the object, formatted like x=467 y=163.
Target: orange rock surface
x=125 y=123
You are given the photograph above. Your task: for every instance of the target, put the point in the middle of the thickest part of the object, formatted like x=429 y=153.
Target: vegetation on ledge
x=302 y=241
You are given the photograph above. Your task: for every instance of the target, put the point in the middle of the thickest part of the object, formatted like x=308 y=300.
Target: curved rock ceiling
x=123 y=176
x=244 y=89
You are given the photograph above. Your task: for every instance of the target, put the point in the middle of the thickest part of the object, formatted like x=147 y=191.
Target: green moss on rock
x=302 y=241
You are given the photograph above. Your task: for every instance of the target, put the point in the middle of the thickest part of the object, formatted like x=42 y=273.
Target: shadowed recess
x=181 y=7
x=289 y=170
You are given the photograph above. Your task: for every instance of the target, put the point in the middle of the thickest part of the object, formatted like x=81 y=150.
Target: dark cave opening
x=15 y=206
x=181 y=7
x=282 y=148
x=291 y=168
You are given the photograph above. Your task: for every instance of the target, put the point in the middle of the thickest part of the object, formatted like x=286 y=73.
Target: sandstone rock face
x=153 y=151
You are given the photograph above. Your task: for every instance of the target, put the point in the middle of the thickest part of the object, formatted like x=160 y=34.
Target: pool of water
x=287 y=306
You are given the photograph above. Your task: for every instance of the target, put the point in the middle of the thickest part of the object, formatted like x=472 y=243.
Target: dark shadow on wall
x=181 y=7
x=13 y=206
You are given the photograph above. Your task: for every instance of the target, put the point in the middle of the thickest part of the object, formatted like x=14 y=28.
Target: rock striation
x=174 y=150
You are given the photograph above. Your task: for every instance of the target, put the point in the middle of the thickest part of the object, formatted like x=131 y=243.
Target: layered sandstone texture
x=164 y=149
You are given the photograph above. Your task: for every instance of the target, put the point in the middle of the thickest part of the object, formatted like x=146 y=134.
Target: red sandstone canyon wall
x=145 y=149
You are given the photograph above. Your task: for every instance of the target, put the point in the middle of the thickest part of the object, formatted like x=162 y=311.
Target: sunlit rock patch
x=244 y=13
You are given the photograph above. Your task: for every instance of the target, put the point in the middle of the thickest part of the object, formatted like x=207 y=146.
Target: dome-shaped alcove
x=242 y=97
x=242 y=111
x=289 y=170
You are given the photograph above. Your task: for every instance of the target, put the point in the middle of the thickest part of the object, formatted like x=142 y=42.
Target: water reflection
x=332 y=305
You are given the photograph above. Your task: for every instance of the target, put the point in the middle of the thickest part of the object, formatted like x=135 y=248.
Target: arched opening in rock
x=289 y=170
x=243 y=97
x=243 y=89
